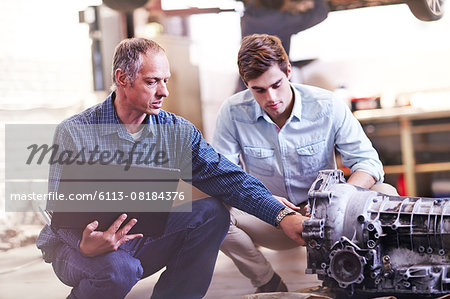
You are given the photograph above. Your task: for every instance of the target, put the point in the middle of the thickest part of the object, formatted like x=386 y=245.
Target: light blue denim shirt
x=288 y=160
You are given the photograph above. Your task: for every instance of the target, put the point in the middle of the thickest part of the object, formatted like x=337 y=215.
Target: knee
x=234 y=238
x=385 y=189
x=215 y=213
x=121 y=273
x=234 y=235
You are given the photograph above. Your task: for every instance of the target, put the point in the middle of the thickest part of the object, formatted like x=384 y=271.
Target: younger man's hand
x=95 y=243
x=286 y=203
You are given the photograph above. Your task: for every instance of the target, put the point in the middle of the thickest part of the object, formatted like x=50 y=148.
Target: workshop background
x=390 y=67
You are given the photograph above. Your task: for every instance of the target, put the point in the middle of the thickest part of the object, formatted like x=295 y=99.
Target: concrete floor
x=23 y=274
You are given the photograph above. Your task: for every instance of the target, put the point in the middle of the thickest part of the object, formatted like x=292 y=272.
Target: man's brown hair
x=258 y=53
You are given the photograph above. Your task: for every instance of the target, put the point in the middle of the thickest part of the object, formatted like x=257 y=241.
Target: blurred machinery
x=363 y=243
x=425 y=10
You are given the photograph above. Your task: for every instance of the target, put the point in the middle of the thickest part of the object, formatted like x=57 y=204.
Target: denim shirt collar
x=297 y=109
x=111 y=124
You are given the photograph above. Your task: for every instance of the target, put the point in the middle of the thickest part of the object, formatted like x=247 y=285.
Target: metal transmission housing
x=361 y=242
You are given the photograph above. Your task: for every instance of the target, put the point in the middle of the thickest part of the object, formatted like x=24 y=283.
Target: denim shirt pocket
x=259 y=160
x=311 y=158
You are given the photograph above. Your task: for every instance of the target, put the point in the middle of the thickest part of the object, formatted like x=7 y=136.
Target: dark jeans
x=188 y=249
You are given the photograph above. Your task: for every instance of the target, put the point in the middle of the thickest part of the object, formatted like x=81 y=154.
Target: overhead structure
x=425 y=10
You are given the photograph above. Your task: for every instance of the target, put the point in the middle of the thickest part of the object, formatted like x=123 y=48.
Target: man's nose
x=270 y=94
x=162 y=89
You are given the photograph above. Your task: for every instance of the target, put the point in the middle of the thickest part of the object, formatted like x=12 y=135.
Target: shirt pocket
x=259 y=160
x=312 y=158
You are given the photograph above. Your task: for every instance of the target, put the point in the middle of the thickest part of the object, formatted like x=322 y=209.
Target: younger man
x=284 y=134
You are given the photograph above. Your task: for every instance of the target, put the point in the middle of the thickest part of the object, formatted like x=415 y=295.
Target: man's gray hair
x=127 y=57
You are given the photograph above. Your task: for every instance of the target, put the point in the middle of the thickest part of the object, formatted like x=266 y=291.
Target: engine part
x=361 y=242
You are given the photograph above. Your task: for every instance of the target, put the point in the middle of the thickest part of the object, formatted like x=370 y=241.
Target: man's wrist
x=283 y=213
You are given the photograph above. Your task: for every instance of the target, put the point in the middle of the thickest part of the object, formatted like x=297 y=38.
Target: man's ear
x=121 y=77
x=289 y=71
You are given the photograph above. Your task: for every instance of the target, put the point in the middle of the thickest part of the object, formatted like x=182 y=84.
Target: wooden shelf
x=393 y=169
x=420 y=129
x=433 y=167
x=419 y=168
x=399 y=121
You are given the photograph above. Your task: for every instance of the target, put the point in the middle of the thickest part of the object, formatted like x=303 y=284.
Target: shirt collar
x=297 y=109
x=111 y=123
x=260 y=112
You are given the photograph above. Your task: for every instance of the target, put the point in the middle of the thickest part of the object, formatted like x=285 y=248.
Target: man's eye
x=151 y=82
x=260 y=91
x=276 y=86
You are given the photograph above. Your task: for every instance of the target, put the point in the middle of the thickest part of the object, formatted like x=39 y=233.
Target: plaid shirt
x=186 y=149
